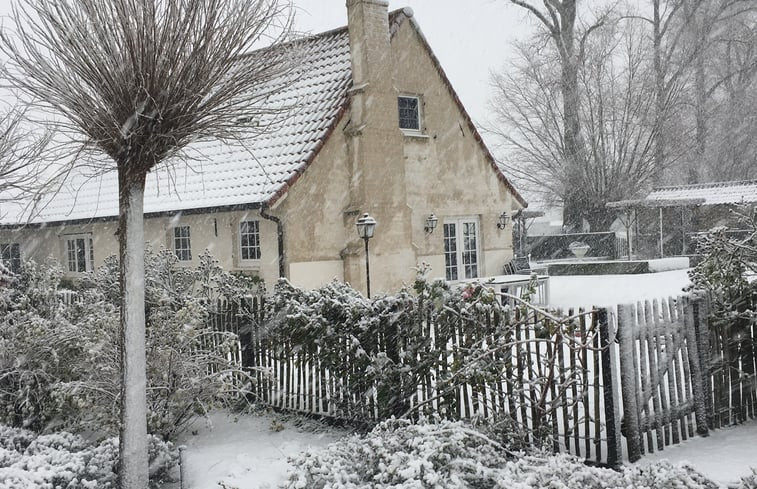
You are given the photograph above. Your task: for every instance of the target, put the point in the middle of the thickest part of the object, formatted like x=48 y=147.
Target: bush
x=66 y=460
x=748 y=482
x=59 y=363
x=447 y=455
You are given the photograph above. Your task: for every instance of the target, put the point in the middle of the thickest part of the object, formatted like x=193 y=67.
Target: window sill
x=249 y=264
x=413 y=135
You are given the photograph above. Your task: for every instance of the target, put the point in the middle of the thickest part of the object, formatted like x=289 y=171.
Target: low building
x=377 y=129
x=667 y=221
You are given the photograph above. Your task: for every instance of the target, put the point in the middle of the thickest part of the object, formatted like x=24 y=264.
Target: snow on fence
x=651 y=374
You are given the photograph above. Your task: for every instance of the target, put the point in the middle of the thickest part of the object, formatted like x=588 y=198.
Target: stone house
x=378 y=129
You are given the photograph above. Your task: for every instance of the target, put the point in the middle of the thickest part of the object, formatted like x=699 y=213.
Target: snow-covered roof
x=709 y=193
x=222 y=174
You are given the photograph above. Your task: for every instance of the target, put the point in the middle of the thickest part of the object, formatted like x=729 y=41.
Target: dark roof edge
x=477 y=136
x=91 y=220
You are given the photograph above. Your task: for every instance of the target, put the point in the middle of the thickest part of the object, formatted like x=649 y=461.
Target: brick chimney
x=376 y=147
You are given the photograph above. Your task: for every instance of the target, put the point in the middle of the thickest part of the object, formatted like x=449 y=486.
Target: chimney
x=376 y=151
x=368 y=24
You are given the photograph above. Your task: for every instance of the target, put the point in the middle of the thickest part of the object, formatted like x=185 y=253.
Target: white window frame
x=240 y=247
x=7 y=258
x=177 y=240
x=89 y=252
x=459 y=270
x=419 y=101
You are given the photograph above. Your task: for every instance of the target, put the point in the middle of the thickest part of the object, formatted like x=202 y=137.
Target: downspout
x=280 y=233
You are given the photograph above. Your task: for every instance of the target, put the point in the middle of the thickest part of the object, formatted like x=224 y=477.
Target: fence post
x=628 y=382
x=693 y=322
x=609 y=388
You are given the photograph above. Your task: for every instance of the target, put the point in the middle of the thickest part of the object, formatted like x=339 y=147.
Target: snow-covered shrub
x=447 y=455
x=189 y=369
x=36 y=347
x=728 y=261
x=63 y=459
x=59 y=360
x=749 y=481
x=420 y=352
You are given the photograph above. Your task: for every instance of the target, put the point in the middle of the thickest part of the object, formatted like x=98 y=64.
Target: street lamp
x=366 y=225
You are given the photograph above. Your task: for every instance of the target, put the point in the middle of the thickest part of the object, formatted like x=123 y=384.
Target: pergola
x=630 y=207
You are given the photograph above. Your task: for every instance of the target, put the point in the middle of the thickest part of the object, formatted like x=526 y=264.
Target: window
x=410 y=113
x=461 y=249
x=80 y=253
x=249 y=236
x=10 y=254
x=181 y=243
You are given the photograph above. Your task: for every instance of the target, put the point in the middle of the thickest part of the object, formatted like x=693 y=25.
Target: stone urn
x=579 y=249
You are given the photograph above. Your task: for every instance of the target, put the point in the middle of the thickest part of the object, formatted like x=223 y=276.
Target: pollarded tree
x=138 y=81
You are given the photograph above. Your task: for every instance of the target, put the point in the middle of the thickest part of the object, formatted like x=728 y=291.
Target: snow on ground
x=248 y=451
x=606 y=290
x=725 y=456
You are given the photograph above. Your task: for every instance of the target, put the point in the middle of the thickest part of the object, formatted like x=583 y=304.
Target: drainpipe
x=280 y=232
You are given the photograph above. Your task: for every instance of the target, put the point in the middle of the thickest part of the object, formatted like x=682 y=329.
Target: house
x=667 y=221
x=378 y=130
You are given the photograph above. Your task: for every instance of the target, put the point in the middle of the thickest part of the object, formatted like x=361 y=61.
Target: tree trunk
x=133 y=470
x=660 y=96
x=573 y=210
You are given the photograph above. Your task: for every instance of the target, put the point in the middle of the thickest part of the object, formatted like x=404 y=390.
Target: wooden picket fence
x=650 y=373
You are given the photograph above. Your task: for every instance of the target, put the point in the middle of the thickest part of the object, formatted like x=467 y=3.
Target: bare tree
x=560 y=22
x=139 y=80
x=615 y=113
x=23 y=173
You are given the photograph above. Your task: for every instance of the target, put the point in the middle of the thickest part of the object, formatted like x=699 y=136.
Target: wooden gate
x=663 y=372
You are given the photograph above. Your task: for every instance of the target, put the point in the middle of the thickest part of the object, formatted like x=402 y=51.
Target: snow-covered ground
x=725 y=456
x=245 y=452
x=607 y=290
x=248 y=451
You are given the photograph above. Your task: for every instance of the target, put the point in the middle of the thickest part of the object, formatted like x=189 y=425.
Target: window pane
x=10 y=254
x=91 y=265
x=409 y=113
x=71 y=251
x=249 y=235
x=182 y=243
x=450 y=251
x=470 y=249
x=81 y=255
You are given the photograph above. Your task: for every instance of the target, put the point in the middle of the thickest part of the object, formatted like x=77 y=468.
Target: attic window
x=410 y=113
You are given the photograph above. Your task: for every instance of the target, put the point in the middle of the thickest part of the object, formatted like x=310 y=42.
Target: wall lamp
x=502 y=222
x=430 y=224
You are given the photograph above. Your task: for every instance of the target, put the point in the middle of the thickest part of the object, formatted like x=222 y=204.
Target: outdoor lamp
x=430 y=225
x=366 y=225
x=502 y=220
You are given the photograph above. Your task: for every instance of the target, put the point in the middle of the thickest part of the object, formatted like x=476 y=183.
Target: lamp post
x=366 y=225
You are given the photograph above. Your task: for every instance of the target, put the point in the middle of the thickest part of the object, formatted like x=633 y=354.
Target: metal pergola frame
x=631 y=206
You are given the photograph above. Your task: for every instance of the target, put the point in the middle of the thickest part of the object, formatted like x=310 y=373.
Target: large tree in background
x=616 y=121
x=559 y=21
x=140 y=80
